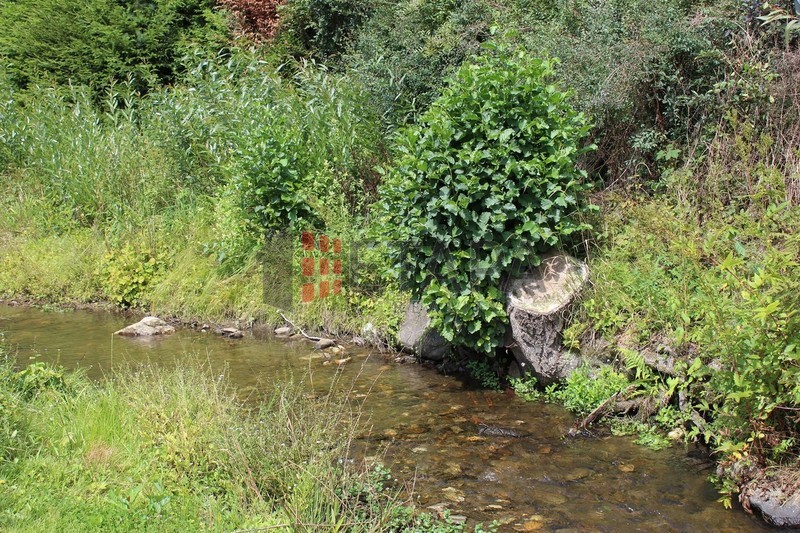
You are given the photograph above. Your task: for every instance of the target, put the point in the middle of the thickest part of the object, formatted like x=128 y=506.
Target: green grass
x=168 y=449
x=56 y=268
x=142 y=201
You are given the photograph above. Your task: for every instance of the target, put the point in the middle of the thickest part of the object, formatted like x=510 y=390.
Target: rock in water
x=536 y=304
x=324 y=343
x=147 y=327
x=496 y=431
x=777 y=508
x=231 y=333
x=283 y=331
x=416 y=335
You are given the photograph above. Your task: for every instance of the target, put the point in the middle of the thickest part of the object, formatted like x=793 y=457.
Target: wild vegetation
x=149 y=158
x=484 y=181
x=171 y=448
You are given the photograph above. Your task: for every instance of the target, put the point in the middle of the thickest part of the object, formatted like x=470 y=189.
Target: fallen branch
x=303 y=333
x=605 y=407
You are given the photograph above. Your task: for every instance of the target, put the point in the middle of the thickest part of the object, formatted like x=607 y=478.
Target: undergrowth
x=171 y=448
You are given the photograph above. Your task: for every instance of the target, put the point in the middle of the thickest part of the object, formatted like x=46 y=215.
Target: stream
x=424 y=428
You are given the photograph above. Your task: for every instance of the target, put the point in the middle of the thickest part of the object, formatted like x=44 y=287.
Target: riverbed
x=423 y=426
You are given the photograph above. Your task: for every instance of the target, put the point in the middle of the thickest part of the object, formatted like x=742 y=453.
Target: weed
x=173 y=448
x=482 y=372
x=527 y=388
x=586 y=388
x=646 y=434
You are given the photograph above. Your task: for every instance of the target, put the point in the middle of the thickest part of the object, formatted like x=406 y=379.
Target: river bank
x=174 y=448
x=330 y=318
x=423 y=429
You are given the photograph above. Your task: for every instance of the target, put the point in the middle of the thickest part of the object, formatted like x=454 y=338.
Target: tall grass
x=162 y=200
x=134 y=157
x=173 y=448
x=92 y=166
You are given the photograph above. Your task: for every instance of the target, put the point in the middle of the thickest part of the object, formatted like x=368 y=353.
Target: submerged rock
x=536 y=304
x=496 y=431
x=416 y=335
x=149 y=326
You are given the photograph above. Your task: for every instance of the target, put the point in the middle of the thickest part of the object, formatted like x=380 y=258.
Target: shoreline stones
x=284 y=331
x=417 y=337
x=324 y=343
x=776 y=507
x=149 y=326
x=230 y=333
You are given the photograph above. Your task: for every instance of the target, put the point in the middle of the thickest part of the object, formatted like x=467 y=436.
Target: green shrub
x=324 y=27
x=526 y=388
x=481 y=186
x=757 y=338
x=127 y=273
x=586 y=388
x=274 y=153
x=97 y=42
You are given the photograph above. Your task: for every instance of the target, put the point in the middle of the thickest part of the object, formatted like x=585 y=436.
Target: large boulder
x=416 y=335
x=776 y=506
x=536 y=304
x=147 y=327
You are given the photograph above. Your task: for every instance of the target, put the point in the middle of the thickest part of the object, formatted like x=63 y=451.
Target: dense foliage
x=143 y=167
x=323 y=28
x=405 y=51
x=256 y=19
x=484 y=182
x=98 y=42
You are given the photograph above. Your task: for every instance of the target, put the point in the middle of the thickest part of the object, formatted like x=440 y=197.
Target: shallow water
x=424 y=427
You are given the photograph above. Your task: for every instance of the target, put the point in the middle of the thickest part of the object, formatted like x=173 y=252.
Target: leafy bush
x=128 y=272
x=758 y=340
x=586 y=388
x=97 y=42
x=526 y=388
x=484 y=183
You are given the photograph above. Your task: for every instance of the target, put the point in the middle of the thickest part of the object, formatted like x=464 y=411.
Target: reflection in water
x=425 y=427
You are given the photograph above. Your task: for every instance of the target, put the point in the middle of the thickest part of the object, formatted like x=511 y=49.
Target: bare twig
x=303 y=333
x=604 y=407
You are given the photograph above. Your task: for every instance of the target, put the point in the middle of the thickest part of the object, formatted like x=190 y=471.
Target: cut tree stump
x=536 y=304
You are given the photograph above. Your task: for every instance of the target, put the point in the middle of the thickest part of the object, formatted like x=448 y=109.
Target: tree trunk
x=536 y=304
